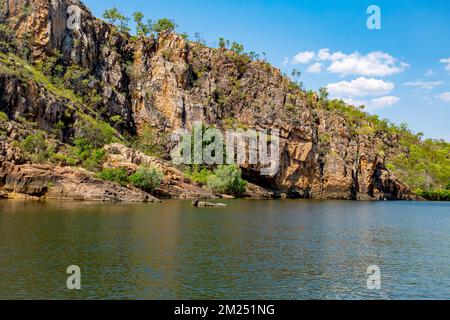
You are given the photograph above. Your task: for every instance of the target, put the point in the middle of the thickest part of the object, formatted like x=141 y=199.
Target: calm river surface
x=249 y=250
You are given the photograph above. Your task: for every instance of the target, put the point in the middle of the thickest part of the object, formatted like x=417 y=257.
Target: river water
x=289 y=249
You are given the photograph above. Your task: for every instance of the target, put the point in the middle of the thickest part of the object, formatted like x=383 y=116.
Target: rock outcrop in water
x=167 y=83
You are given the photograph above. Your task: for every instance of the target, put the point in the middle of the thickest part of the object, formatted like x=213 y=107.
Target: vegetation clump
x=37 y=148
x=434 y=195
x=117 y=175
x=164 y=25
x=149 y=142
x=199 y=175
x=115 y=17
x=423 y=164
x=227 y=179
x=143 y=28
x=3 y=117
x=145 y=178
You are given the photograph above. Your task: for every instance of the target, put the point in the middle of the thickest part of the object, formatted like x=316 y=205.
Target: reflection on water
x=249 y=250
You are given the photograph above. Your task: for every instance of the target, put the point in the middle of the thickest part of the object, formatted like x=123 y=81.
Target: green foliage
x=434 y=195
x=95 y=132
x=89 y=156
x=117 y=175
x=422 y=164
x=37 y=148
x=79 y=80
x=324 y=139
x=199 y=175
x=90 y=137
x=237 y=47
x=3 y=117
x=64 y=159
x=7 y=41
x=21 y=68
x=323 y=94
x=147 y=178
x=148 y=142
x=115 y=17
x=142 y=28
x=241 y=60
x=117 y=120
x=227 y=179
x=296 y=84
x=51 y=66
x=223 y=43
x=164 y=25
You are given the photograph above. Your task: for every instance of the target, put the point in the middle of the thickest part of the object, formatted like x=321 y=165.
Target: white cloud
x=383 y=102
x=360 y=87
x=446 y=62
x=285 y=62
x=303 y=57
x=326 y=55
x=445 y=96
x=430 y=73
x=356 y=102
x=378 y=64
x=425 y=85
x=374 y=104
x=373 y=64
x=315 y=68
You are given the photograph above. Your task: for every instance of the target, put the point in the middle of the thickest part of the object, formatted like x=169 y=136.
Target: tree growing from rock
x=164 y=25
x=115 y=17
x=142 y=28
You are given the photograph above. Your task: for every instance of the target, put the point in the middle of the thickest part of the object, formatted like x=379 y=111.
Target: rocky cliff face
x=168 y=83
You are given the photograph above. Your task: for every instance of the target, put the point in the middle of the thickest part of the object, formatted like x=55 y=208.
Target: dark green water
x=250 y=250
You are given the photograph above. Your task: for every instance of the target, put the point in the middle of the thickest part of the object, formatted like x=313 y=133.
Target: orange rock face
x=167 y=83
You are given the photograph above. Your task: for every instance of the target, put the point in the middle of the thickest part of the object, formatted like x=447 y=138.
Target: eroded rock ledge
x=32 y=181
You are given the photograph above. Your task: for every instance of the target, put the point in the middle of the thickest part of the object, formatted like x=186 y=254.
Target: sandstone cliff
x=169 y=82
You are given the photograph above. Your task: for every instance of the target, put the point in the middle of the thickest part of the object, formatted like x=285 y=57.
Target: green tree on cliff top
x=142 y=28
x=115 y=17
x=164 y=25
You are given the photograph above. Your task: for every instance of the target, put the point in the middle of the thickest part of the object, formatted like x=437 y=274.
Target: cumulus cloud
x=446 y=62
x=326 y=55
x=378 y=64
x=315 y=68
x=303 y=57
x=361 y=87
x=374 y=104
x=424 y=85
x=356 y=102
x=373 y=64
x=445 y=96
x=382 y=102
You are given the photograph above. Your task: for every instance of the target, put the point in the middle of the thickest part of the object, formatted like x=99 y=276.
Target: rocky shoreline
x=45 y=182
x=41 y=181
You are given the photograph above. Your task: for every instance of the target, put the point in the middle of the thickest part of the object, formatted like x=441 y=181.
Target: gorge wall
x=169 y=82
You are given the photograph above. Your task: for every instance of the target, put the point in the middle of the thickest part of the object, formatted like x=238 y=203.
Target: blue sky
x=399 y=72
